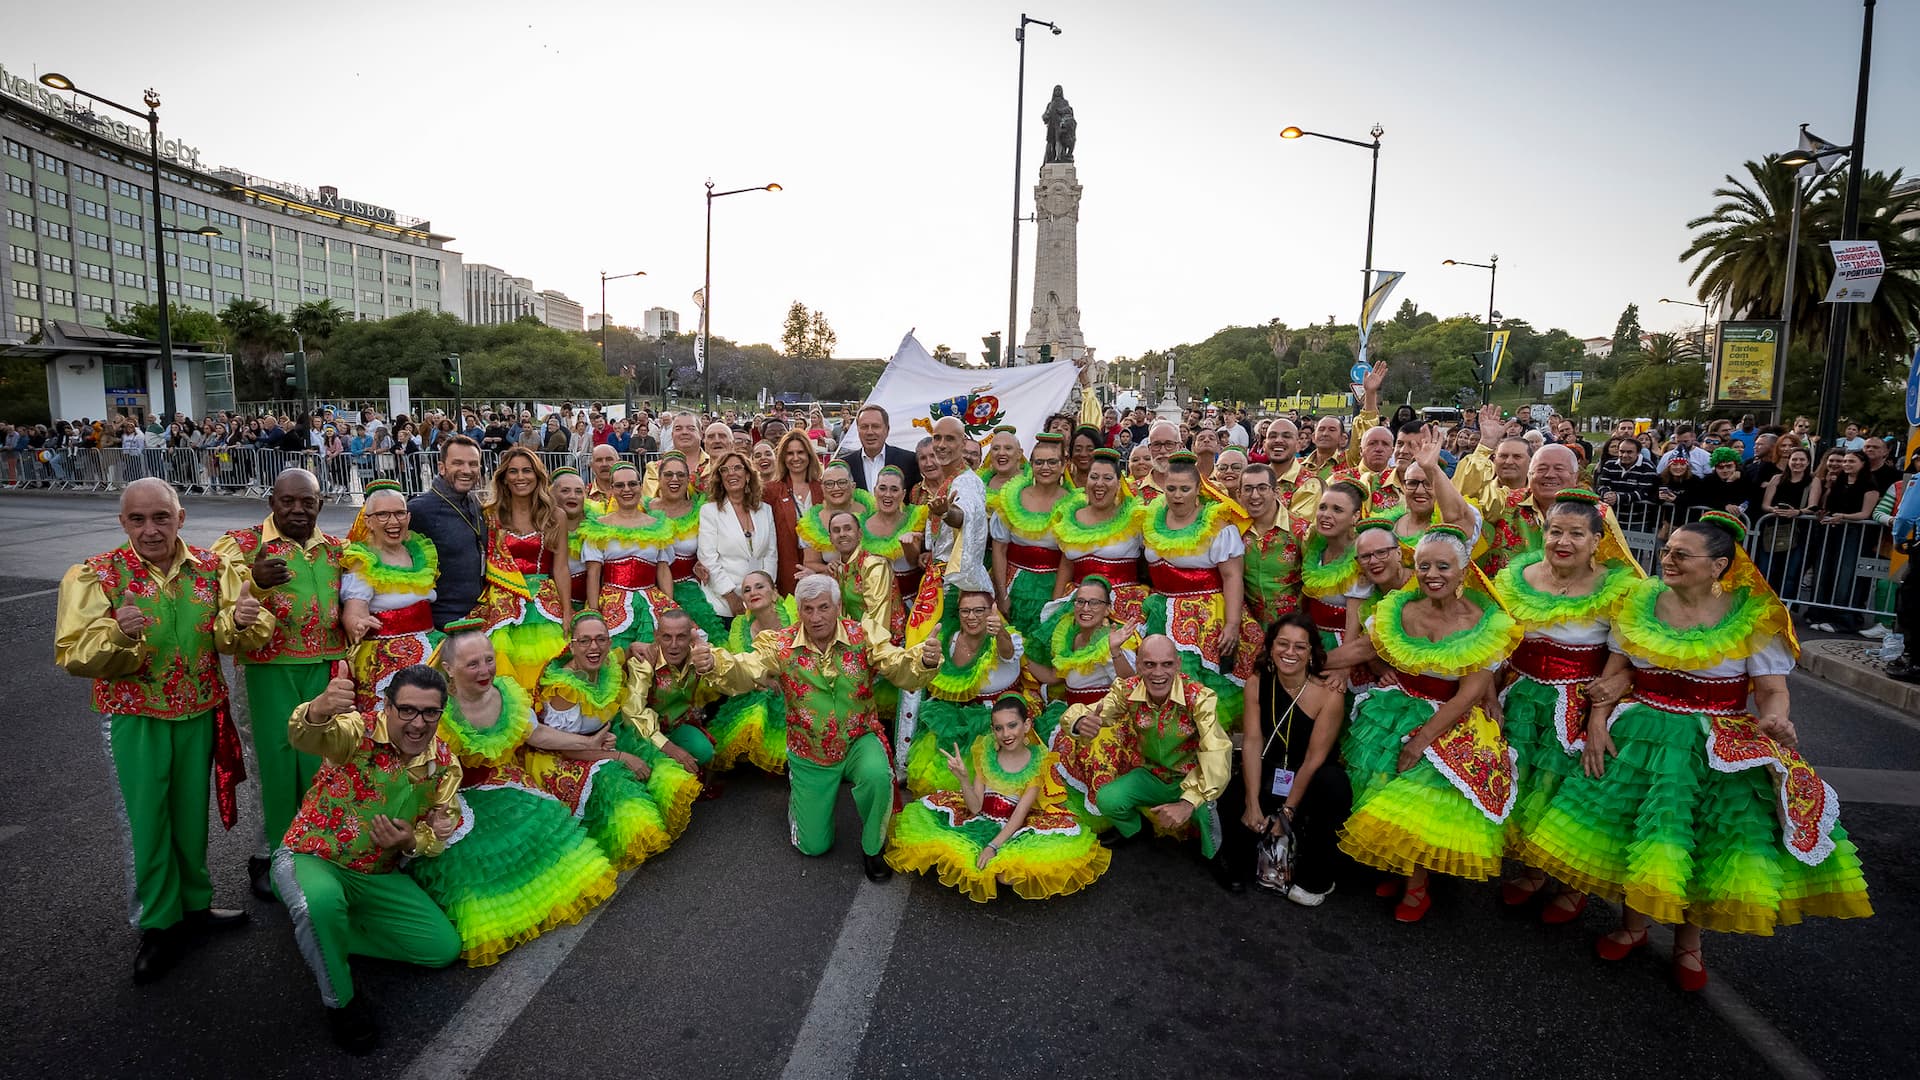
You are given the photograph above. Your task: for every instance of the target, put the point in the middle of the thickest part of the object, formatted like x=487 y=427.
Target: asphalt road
x=733 y=956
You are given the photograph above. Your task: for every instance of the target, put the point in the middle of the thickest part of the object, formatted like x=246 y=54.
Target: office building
x=562 y=312
x=660 y=323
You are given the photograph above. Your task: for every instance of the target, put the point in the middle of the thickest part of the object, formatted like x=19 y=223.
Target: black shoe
x=207 y=920
x=1224 y=876
x=877 y=868
x=1115 y=839
x=1904 y=670
x=158 y=951
x=258 y=867
x=353 y=1028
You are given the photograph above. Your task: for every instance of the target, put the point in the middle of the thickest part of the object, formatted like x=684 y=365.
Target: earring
x=1719 y=587
x=1459 y=590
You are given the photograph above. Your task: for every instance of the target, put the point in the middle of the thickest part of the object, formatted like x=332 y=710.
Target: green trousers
x=164 y=769
x=813 y=787
x=1123 y=798
x=694 y=741
x=338 y=913
x=273 y=692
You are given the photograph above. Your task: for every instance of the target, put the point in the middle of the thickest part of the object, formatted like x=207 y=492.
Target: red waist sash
x=1427 y=687
x=682 y=567
x=1040 y=560
x=994 y=804
x=1555 y=663
x=1328 y=615
x=631 y=573
x=1089 y=696
x=580 y=588
x=1185 y=580
x=1677 y=691
x=412 y=619
x=1118 y=571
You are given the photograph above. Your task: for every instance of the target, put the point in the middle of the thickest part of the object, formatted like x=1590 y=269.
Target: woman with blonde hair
x=793 y=491
x=525 y=538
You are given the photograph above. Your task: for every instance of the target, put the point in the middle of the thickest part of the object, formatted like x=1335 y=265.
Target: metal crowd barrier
x=243 y=471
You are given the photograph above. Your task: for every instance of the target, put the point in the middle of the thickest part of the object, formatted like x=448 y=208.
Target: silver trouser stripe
x=126 y=824
x=303 y=935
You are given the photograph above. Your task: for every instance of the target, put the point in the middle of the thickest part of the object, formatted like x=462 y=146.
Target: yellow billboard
x=1746 y=367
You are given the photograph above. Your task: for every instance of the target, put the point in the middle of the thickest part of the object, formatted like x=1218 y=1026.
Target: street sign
x=1358 y=373
x=1857 y=266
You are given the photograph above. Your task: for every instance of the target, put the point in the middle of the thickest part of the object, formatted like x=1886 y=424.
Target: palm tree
x=255 y=333
x=1741 y=248
x=317 y=320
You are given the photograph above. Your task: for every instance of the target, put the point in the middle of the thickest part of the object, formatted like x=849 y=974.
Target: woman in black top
x=1673 y=494
x=1846 y=508
x=1788 y=498
x=1289 y=764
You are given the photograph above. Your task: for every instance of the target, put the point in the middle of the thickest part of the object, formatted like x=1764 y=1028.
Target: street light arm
x=737 y=191
x=72 y=89
x=1335 y=138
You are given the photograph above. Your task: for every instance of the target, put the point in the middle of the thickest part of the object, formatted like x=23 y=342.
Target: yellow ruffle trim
x=1028 y=880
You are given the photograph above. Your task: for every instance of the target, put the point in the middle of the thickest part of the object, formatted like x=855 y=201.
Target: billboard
x=1749 y=365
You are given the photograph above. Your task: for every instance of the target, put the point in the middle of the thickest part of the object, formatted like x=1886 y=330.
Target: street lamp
x=1492 y=267
x=1373 y=196
x=1019 y=122
x=152 y=116
x=706 y=290
x=1831 y=376
x=604 y=278
x=1809 y=153
x=1704 y=312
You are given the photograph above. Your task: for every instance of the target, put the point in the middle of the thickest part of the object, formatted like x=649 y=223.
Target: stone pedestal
x=1055 y=316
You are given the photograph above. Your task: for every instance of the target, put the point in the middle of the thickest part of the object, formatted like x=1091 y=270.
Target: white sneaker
x=1825 y=628
x=1875 y=631
x=1306 y=899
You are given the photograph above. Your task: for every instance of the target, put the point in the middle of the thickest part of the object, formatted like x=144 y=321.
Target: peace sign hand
x=955 y=763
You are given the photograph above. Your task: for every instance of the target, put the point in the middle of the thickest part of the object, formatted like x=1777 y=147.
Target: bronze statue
x=1060 y=128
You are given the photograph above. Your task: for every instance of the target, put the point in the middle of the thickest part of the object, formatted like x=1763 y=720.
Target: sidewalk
x=1855 y=664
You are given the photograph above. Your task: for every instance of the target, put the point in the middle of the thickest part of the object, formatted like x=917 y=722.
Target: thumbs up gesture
x=133 y=622
x=702 y=656
x=270 y=570
x=338 y=696
x=246 y=609
x=930 y=652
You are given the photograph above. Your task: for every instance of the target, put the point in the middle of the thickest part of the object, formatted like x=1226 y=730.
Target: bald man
x=294 y=569
x=1170 y=724
x=1515 y=524
x=957 y=514
x=144 y=621
x=1375 y=470
x=683 y=434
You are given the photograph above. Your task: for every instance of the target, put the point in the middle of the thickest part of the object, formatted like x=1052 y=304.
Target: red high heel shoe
x=1610 y=948
x=1558 y=912
x=1403 y=912
x=1692 y=980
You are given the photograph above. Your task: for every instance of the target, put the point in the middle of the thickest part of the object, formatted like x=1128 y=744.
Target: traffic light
x=1483 y=367
x=450 y=365
x=295 y=366
x=1046 y=354
x=992 y=343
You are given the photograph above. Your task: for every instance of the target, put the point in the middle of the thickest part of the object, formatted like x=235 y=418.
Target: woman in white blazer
x=736 y=531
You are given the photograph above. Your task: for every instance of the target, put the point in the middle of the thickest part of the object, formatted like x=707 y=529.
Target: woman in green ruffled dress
x=520 y=863
x=1026 y=556
x=1433 y=778
x=1194 y=549
x=677 y=509
x=980 y=662
x=754 y=725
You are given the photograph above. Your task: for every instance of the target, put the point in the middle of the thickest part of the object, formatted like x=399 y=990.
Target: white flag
x=1814 y=144
x=916 y=389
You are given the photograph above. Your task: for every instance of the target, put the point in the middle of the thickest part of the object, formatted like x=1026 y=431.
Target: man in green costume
x=144 y=621
x=294 y=568
x=667 y=690
x=826 y=666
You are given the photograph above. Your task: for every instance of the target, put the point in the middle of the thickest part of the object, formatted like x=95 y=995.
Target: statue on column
x=1061 y=129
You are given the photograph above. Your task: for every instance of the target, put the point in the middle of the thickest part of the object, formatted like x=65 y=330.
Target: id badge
x=1283 y=782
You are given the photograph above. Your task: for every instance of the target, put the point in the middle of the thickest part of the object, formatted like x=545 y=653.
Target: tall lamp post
x=1705 y=310
x=604 y=278
x=1373 y=196
x=1838 y=320
x=706 y=292
x=1019 y=122
x=1492 y=267
x=152 y=116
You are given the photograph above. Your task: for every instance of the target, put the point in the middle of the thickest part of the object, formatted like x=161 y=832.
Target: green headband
x=375 y=487
x=564 y=470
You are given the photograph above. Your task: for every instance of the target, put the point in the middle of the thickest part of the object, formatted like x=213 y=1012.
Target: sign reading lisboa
x=48 y=100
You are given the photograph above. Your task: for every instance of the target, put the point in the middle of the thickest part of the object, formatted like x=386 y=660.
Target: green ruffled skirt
x=751 y=726
x=692 y=599
x=1412 y=820
x=1027 y=593
x=523 y=866
x=1532 y=718
x=1669 y=836
x=1052 y=856
x=940 y=726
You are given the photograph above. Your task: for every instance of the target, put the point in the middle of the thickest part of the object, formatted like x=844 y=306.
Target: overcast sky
x=562 y=138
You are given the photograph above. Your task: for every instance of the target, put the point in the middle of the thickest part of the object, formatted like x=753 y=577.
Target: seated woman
x=635 y=800
x=1006 y=825
x=1289 y=777
x=754 y=725
x=980 y=663
x=1090 y=650
x=627 y=553
x=1433 y=777
x=521 y=862
x=387 y=575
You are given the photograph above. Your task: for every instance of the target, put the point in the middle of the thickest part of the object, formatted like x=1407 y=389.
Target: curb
x=1846 y=663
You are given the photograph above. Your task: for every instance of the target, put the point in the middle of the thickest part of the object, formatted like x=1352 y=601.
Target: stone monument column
x=1055 y=316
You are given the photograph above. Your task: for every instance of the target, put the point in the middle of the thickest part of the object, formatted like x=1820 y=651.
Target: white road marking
x=836 y=1022
x=466 y=1039
x=27 y=595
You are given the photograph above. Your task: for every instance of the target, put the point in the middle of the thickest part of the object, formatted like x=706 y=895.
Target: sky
x=562 y=139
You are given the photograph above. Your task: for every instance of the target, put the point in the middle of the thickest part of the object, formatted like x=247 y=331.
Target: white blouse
x=729 y=554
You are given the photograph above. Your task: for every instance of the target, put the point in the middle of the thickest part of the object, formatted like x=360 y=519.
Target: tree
x=820 y=337
x=1626 y=332
x=795 y=337
x=317 y=320
x=184 y=324
x=1411 y=317
x=1668 y=377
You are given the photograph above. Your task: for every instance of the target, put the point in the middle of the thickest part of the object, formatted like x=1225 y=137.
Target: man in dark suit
x=873 y=453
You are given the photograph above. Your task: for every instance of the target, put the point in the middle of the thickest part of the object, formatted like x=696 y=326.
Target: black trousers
x=1316 y=826
x=1907 y=605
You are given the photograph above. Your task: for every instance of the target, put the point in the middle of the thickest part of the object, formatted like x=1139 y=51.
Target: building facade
x=660 y=323
x=80 y=240
x=562 y=312
x=494 y=296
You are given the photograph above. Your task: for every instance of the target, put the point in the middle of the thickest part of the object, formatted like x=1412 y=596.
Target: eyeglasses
x=625 y=485
x=388 y=515
x=1086 y=602
x=975 y=613
x=1253 y=489
x=409 y=712
x=1670 y=553
x=1375 y=556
